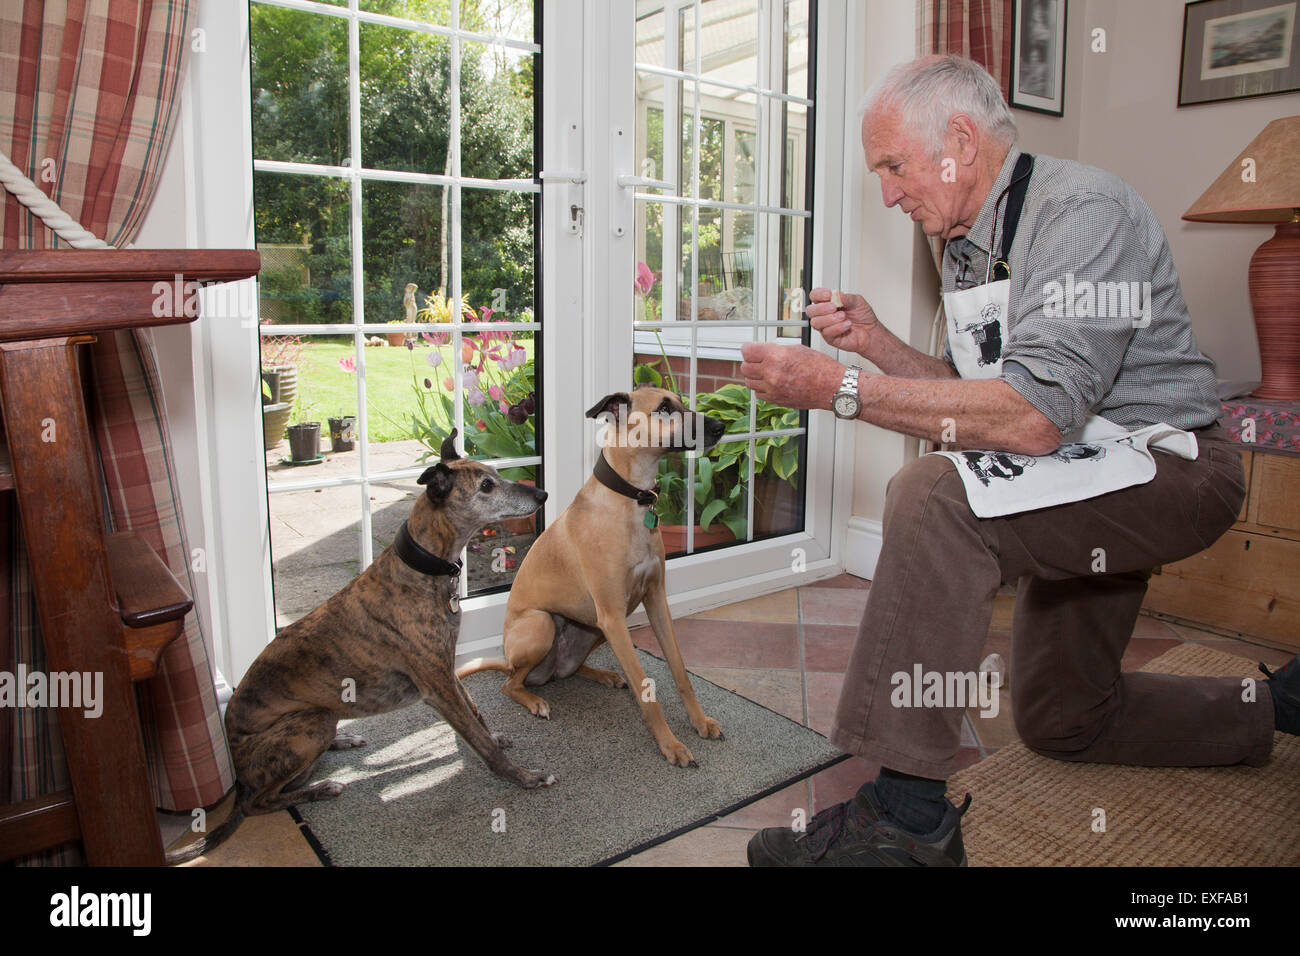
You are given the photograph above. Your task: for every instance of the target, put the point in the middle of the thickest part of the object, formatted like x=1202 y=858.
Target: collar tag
x=651 y=519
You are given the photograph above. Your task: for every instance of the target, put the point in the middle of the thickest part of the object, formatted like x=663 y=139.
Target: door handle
x=631 y=182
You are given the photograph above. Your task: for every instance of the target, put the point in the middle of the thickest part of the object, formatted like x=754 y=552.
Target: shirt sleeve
x=1083 y=292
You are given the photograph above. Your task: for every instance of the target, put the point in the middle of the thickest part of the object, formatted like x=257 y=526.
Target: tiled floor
x=786 y=651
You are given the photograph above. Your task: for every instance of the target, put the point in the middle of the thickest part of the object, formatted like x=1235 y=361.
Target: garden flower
x=428 y=384
x=496 y=391
x=503 y=407
x=434 y=359
x=481 y=425
x=466 y=351
x=447 y=384
x=516 y=358
x=487 y=314
x=348 y=364
x=475 y=395
x=645 y=279
x=470 y=378
x=436 y=338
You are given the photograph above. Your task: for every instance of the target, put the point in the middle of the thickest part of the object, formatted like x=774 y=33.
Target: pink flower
x=496 y=391
x=503 y=407
x=645 y=279
x=487 y=314
x=447 y=384
x=348 y=364
x=475 y=396
x=436 y=338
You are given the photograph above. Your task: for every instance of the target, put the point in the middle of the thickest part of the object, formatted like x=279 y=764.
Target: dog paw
x=678 y=755
x=502 y=740
x=540 y=708
x=539 y=778
x=347 y=741
x=710 y=729
x=327 y=790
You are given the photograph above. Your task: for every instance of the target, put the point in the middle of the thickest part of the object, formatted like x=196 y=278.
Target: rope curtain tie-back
x=46 y=209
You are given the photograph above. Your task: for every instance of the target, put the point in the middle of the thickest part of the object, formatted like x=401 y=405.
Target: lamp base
x=1275 y=299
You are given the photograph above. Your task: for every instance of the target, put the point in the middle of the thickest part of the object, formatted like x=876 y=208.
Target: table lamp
x=1263 y=185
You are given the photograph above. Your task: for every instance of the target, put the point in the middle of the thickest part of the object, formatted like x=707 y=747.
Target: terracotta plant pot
x=674 y=536
x=776 y=507
x=304 y=441
x=395 y=339
x=526 y=525
x=343 y=433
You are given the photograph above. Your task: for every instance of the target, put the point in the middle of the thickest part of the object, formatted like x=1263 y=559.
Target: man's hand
x=850 y=326
x=791 y=375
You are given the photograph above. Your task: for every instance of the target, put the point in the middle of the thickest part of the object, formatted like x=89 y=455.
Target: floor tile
x=823 y=697
x=703 y=846
x=840 y=782
x=827 y=647
x=729 y=643
x=782 y=607
x=842 y=606
x=776 y=689
x=774 y=810
x=1148 y=626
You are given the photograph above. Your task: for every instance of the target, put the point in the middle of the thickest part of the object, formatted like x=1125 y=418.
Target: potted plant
x=304 y=434
x=395 y=339
x=343 y=427
x=280 y=358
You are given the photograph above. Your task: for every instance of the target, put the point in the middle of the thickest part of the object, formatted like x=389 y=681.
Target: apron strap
x=1015 y=202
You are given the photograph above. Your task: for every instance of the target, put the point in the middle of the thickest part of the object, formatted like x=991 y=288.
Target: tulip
x=434 y=358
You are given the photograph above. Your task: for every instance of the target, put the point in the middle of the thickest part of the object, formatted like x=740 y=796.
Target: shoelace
x=826 y=826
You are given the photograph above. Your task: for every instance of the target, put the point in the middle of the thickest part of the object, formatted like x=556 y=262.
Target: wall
x=1132 y=126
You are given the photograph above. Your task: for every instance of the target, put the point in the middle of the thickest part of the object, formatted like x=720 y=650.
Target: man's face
x=913 y=181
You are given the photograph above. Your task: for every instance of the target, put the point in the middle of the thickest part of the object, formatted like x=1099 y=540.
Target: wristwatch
x=846 y=403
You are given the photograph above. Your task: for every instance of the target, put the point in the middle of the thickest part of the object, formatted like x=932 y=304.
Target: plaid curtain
x=89 y=93
x=979 y=29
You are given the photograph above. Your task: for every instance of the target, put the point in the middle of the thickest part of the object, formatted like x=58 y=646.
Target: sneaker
x=857 y=833
x=1284 y=685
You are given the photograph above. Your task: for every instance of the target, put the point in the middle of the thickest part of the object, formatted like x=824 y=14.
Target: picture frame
x=1038 y=55
x=1238 y=49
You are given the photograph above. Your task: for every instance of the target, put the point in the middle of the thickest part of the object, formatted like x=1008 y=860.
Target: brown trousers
x=932 y=599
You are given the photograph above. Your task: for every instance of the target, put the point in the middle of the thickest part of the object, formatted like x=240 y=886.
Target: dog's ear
x=448 y=452
x=611 y=404
x=439 y=480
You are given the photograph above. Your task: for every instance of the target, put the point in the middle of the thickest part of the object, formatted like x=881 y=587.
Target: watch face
x=846 y=406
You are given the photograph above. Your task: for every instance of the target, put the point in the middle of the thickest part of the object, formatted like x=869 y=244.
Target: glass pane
x=794 y=158
x=650 y=39
x=796 y=50
x=730 y=48
x=299 y=86
x=792 y=282
x=303 y=228
x=426 y=11
x=315 y=547
x=779 y=481
x=405 y=105
x=496 y=94
x=497 y=239
x=648 y=286
x=404 y=247
x=501 y=18
x=317 y=380
x=500 y=400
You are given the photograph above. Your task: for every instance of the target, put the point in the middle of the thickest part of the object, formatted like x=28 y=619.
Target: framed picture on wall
x=1038 y=55
x=1233 y=49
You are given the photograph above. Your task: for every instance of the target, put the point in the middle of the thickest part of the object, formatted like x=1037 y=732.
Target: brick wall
x=711 y=374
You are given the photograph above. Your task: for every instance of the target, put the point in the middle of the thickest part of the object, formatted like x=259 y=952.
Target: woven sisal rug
x=1034 y=811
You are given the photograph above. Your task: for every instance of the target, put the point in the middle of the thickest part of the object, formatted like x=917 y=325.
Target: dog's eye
x=486 y=485
x=665 y=407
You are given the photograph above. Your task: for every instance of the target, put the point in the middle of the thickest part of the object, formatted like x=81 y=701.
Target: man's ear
x=448 y=451
x=611 y=404
x=439 y=480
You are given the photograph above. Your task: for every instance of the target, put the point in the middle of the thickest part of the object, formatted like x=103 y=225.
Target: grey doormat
x=417 y=795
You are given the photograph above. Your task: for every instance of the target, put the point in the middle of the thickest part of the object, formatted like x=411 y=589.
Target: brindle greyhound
x=385 y=641
x=601 y=558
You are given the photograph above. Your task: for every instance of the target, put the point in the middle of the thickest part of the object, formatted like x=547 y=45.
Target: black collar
x=415 y=557
x=607 y=476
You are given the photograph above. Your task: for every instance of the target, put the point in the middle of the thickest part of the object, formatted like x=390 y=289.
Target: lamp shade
x=1273 y=192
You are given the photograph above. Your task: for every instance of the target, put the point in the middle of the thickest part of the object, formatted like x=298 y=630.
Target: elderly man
x=1023 y=371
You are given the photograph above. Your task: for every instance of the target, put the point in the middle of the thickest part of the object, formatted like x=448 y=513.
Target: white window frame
x=580 y=278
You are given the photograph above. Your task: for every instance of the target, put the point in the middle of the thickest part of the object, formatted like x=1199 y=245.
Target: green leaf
x=712 y=511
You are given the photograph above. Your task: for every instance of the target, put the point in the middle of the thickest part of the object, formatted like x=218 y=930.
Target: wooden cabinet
x=1248 y=583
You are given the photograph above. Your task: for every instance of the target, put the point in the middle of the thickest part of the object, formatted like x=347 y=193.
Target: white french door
x=688 y=200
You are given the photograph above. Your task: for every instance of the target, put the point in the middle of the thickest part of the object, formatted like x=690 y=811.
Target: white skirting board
x=862 y=543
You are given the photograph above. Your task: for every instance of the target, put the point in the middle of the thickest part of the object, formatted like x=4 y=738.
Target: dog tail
x=210 y=841
x=483 y=664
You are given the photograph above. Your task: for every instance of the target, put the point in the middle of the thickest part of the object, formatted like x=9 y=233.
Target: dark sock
x=917 y=804
x=1284 y=688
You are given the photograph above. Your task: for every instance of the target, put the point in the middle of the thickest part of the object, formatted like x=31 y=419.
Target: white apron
x=1097 y=458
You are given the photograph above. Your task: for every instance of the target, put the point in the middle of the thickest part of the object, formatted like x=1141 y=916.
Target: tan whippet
x=601 y=558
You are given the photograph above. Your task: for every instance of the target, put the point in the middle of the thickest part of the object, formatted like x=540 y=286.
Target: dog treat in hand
x=836 y=300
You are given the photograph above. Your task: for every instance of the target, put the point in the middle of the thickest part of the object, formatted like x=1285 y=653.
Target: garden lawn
x=325 y=390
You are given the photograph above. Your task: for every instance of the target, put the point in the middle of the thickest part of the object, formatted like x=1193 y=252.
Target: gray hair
x=929 y=91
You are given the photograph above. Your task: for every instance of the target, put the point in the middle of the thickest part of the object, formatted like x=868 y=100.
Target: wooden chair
x=107 y=603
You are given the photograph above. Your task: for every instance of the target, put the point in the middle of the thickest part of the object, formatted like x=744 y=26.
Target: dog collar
x=426 y=562
x=646 y=497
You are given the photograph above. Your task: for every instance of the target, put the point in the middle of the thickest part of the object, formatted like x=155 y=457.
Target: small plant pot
x=288 y=377
x=343 y=433
x=304 y=441
x=274 y=418
x=674 y=536
x=272 y=380
x=395 y=339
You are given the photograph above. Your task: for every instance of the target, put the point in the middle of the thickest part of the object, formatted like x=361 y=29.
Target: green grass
x=325 y=390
